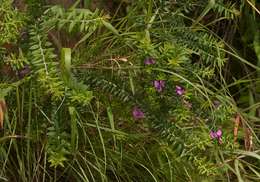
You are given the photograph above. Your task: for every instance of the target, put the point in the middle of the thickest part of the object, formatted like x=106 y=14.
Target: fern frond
x=42 y=59
x=201 y=44
x=81 y=20
x=226 y=9
x=107 y=87
x=58 y=146
x=76 y=21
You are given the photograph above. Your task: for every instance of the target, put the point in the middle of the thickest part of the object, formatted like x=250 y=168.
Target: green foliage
x=72 y=116
x=11 y=22
x=17 y=62
x=226 y=9
x=43 y=63
x=35 y=8
x=80 y=20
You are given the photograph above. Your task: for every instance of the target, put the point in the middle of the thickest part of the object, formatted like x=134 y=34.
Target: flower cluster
x=216 y=135
x=179 y=90
x=159 y=86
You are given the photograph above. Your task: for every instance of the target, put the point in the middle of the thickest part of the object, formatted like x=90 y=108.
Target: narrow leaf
x=110 y=27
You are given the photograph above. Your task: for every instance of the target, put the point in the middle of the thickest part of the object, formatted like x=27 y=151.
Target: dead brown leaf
x=2 y=112
x=236 y=125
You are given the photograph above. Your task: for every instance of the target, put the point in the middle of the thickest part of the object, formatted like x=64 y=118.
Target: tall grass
x=70 y=117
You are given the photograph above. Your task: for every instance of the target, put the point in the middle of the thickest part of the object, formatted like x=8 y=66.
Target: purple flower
x=24 y=71
x=212 y=134
x=216 y=135
x=137 y=113
x=149 y=61
x=159 y=85
x=179 y=90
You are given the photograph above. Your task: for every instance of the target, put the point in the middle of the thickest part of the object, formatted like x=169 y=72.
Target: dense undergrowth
x=155 y=90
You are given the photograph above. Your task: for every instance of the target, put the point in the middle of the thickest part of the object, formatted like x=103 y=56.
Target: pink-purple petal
x=137 y=113
x=179 y=90
x=216 y=135
x=149 y=61
x=212 y=135
x=219 y=133
x=159 y=85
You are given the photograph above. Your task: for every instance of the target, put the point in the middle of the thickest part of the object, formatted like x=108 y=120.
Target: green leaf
x=66 y=63
x=72 y=25
x=74 y=130
x=210 y=5
x=251 y=154
x=238 y=171
x=111 y=121
x=110 y=27
x=85 y=37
